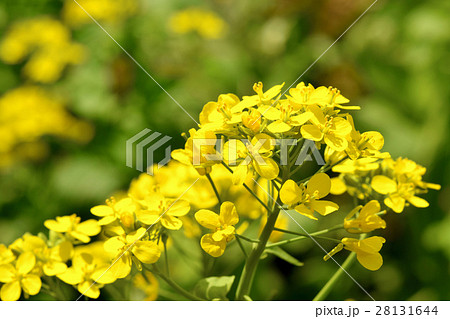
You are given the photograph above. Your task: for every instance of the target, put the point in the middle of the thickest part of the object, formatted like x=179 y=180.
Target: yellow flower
x=367 y=251
x=222 y=226
x=71 y=226
x=367 y=144
x=111 y=11
x=306 y=200
x=206 y=23
x=198 y=146
x=48 y=41
x=285 y=117
x=350 y=166
x=6 y=255
x=257 y=153
x=328 y=97
x=123 y=210
x=128 y=248
x=147 y=282
x=51 y=259
x=396 y=193
x=218 y=116
x=331 y=130
x=35 y=114
x=18 y=277
x=367 y=219
x=87 y=274
x=156 y=208
x=252 y=120
x=261 y=97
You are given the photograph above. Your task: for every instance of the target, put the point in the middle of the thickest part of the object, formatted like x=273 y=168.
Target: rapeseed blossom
x=204 y=22
x=48 y=43
x=222 y=227
x=230 y=164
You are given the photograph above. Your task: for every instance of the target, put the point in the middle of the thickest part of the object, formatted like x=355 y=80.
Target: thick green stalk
x=248 y=272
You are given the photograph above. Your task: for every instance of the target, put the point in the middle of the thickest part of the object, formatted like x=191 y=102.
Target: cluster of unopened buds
x=242 y=184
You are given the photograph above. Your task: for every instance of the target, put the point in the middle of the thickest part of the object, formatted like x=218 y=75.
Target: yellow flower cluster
x=112 y=11
x=48 y=44
x=233 y=173
x=206 y=23
x=394 y=182
x=28 y=113
x=250 y=128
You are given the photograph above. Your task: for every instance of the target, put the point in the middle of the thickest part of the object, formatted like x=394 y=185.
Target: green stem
x=174 y=285
x=241 y=246
x=249 y=189
x=323 y=293
x=247 y=239
x=214 y=188
x=304 y=236
x=166 y=258
x=248 y=272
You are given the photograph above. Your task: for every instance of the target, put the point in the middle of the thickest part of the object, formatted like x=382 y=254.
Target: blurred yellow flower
x=206 y=23
x=48 y=43
x=6 y=255
x=112 y=11
x=148 y=283
x=27 y=114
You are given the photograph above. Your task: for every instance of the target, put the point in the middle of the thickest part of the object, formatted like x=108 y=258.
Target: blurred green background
x=393 y=62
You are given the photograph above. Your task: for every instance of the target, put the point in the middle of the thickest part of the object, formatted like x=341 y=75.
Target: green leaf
x=214 y=288
x=280 y=253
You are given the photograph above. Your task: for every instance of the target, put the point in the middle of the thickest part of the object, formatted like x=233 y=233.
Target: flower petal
x=207 y=219
x=89 y=289
x=268 y=170
x=171 y=222
x=11 y=291
x=31 y=284
x=25 y=263
x=324 y=207
x=179 y=208
x=228 y=214
x=320 y=183
x=311 y=132
x=418 y=202
x=146 y=251
x=290 y=193
x=383 y=184
x=370 y=261
x=71 y=276
x=305 y=211
x=89 y=227
x=212 y=247
x=102 y=210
